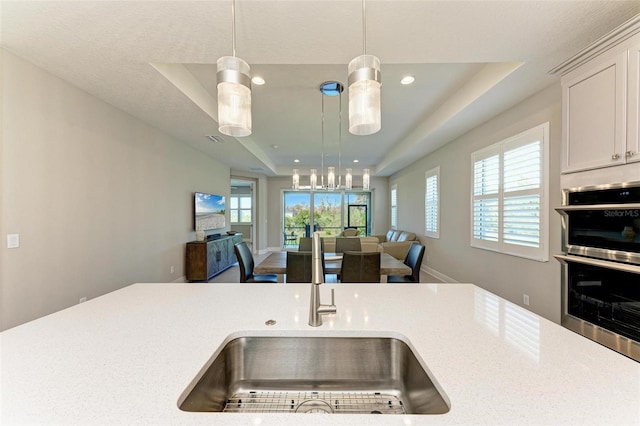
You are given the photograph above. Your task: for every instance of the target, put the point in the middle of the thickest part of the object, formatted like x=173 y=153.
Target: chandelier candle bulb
x=296 y=179
x=348 y=179
x=331 y=178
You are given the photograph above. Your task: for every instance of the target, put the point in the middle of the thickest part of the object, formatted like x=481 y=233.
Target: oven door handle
x=565 y=258
x=564 y=209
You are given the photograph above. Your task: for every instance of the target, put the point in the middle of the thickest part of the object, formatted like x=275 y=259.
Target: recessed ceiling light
x=275 y=146
x=258 y=80
x=356 y=161
x=408 y=79
x=296 y=161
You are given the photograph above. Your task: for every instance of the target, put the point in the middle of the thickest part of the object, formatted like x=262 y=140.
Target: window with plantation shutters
x=394 y=207
x=509 y=195
x=432 y=203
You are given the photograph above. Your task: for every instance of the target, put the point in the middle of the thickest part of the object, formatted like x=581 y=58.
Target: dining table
x=276 y=263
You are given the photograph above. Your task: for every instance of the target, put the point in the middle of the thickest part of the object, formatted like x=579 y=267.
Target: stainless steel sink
x=377 y=375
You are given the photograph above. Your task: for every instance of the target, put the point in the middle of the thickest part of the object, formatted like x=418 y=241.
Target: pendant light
x=234 y=90
x=331 y=178
x=365 y=179
x=313 y=179
x=348 y=179
x=364 y=89
x=296 y=179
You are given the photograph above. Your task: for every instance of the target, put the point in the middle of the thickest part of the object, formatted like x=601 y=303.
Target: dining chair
x=413 y=260
x=306 y=244
x=245 y=261
x=347 y=244
x=360 y=267
x=299 y=267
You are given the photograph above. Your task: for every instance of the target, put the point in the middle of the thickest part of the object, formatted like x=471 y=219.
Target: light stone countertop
x=126 y=357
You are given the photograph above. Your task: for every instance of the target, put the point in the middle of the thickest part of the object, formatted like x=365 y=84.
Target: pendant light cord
x=322 y=158
x=340 y=140
x=233 y=27
x=364 y=29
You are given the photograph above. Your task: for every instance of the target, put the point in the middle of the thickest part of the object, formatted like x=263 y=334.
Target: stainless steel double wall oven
x=601 y=264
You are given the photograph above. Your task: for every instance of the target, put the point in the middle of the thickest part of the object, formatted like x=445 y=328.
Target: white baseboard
x=439 y=275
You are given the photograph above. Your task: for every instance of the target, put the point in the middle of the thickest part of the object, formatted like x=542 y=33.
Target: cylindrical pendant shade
x=331 y=178
x=364 y=95
x=348 y=179
x=296 y=179
x=365 y=179
x=313 y=179
x=234 y=97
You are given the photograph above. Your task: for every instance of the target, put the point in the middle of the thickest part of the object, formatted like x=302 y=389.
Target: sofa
x=366 y=244
x=396 y=243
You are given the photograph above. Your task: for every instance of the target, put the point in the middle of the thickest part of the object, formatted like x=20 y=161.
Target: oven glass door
x=606 y=228
x=606 y=297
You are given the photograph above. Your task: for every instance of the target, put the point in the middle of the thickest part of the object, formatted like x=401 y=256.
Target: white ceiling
x=156 y=60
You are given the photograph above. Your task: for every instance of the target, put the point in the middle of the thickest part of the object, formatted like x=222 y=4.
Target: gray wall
x=100 y=200
x=451 y=255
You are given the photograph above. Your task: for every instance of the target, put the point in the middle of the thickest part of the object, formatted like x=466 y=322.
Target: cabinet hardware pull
x=628 y=154
x=615 y=157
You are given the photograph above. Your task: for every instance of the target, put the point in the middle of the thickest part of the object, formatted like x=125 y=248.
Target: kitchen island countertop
x=126 y=357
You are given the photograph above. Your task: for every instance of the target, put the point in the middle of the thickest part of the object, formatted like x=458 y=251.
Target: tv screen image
x=209 y=211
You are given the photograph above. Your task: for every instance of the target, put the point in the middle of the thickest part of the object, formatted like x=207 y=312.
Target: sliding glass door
x=328 y=212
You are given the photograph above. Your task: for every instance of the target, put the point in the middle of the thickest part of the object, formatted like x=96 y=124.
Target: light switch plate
x=13 y=241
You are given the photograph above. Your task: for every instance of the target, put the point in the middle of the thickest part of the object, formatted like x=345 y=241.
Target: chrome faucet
x=316 y=308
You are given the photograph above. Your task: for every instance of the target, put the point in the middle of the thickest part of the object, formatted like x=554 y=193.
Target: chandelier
x=330 y=89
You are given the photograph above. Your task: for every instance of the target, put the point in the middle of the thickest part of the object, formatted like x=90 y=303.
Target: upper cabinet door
x=633 y=125
x=594 y=115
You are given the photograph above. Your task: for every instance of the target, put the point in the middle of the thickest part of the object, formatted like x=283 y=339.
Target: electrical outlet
x=13 y=241
x=173 y=269
x=82 y=300
x=525 y=299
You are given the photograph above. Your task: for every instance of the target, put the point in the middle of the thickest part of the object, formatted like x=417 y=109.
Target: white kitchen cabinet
x=601 y=109
x=594 y=115
x=632 y=154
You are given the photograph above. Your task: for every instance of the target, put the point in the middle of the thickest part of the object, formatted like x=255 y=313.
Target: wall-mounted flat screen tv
x=209 y=211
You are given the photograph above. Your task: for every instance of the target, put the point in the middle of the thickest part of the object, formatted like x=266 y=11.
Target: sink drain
x=314 y=402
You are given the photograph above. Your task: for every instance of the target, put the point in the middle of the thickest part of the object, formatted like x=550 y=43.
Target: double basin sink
x=275 y=374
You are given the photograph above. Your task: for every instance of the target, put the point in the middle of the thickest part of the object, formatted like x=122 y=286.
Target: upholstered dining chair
x=360 y=267
x=245 y=261
x=413 y=260
x=299 y=267
x=306 y=244
x=347 y=244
